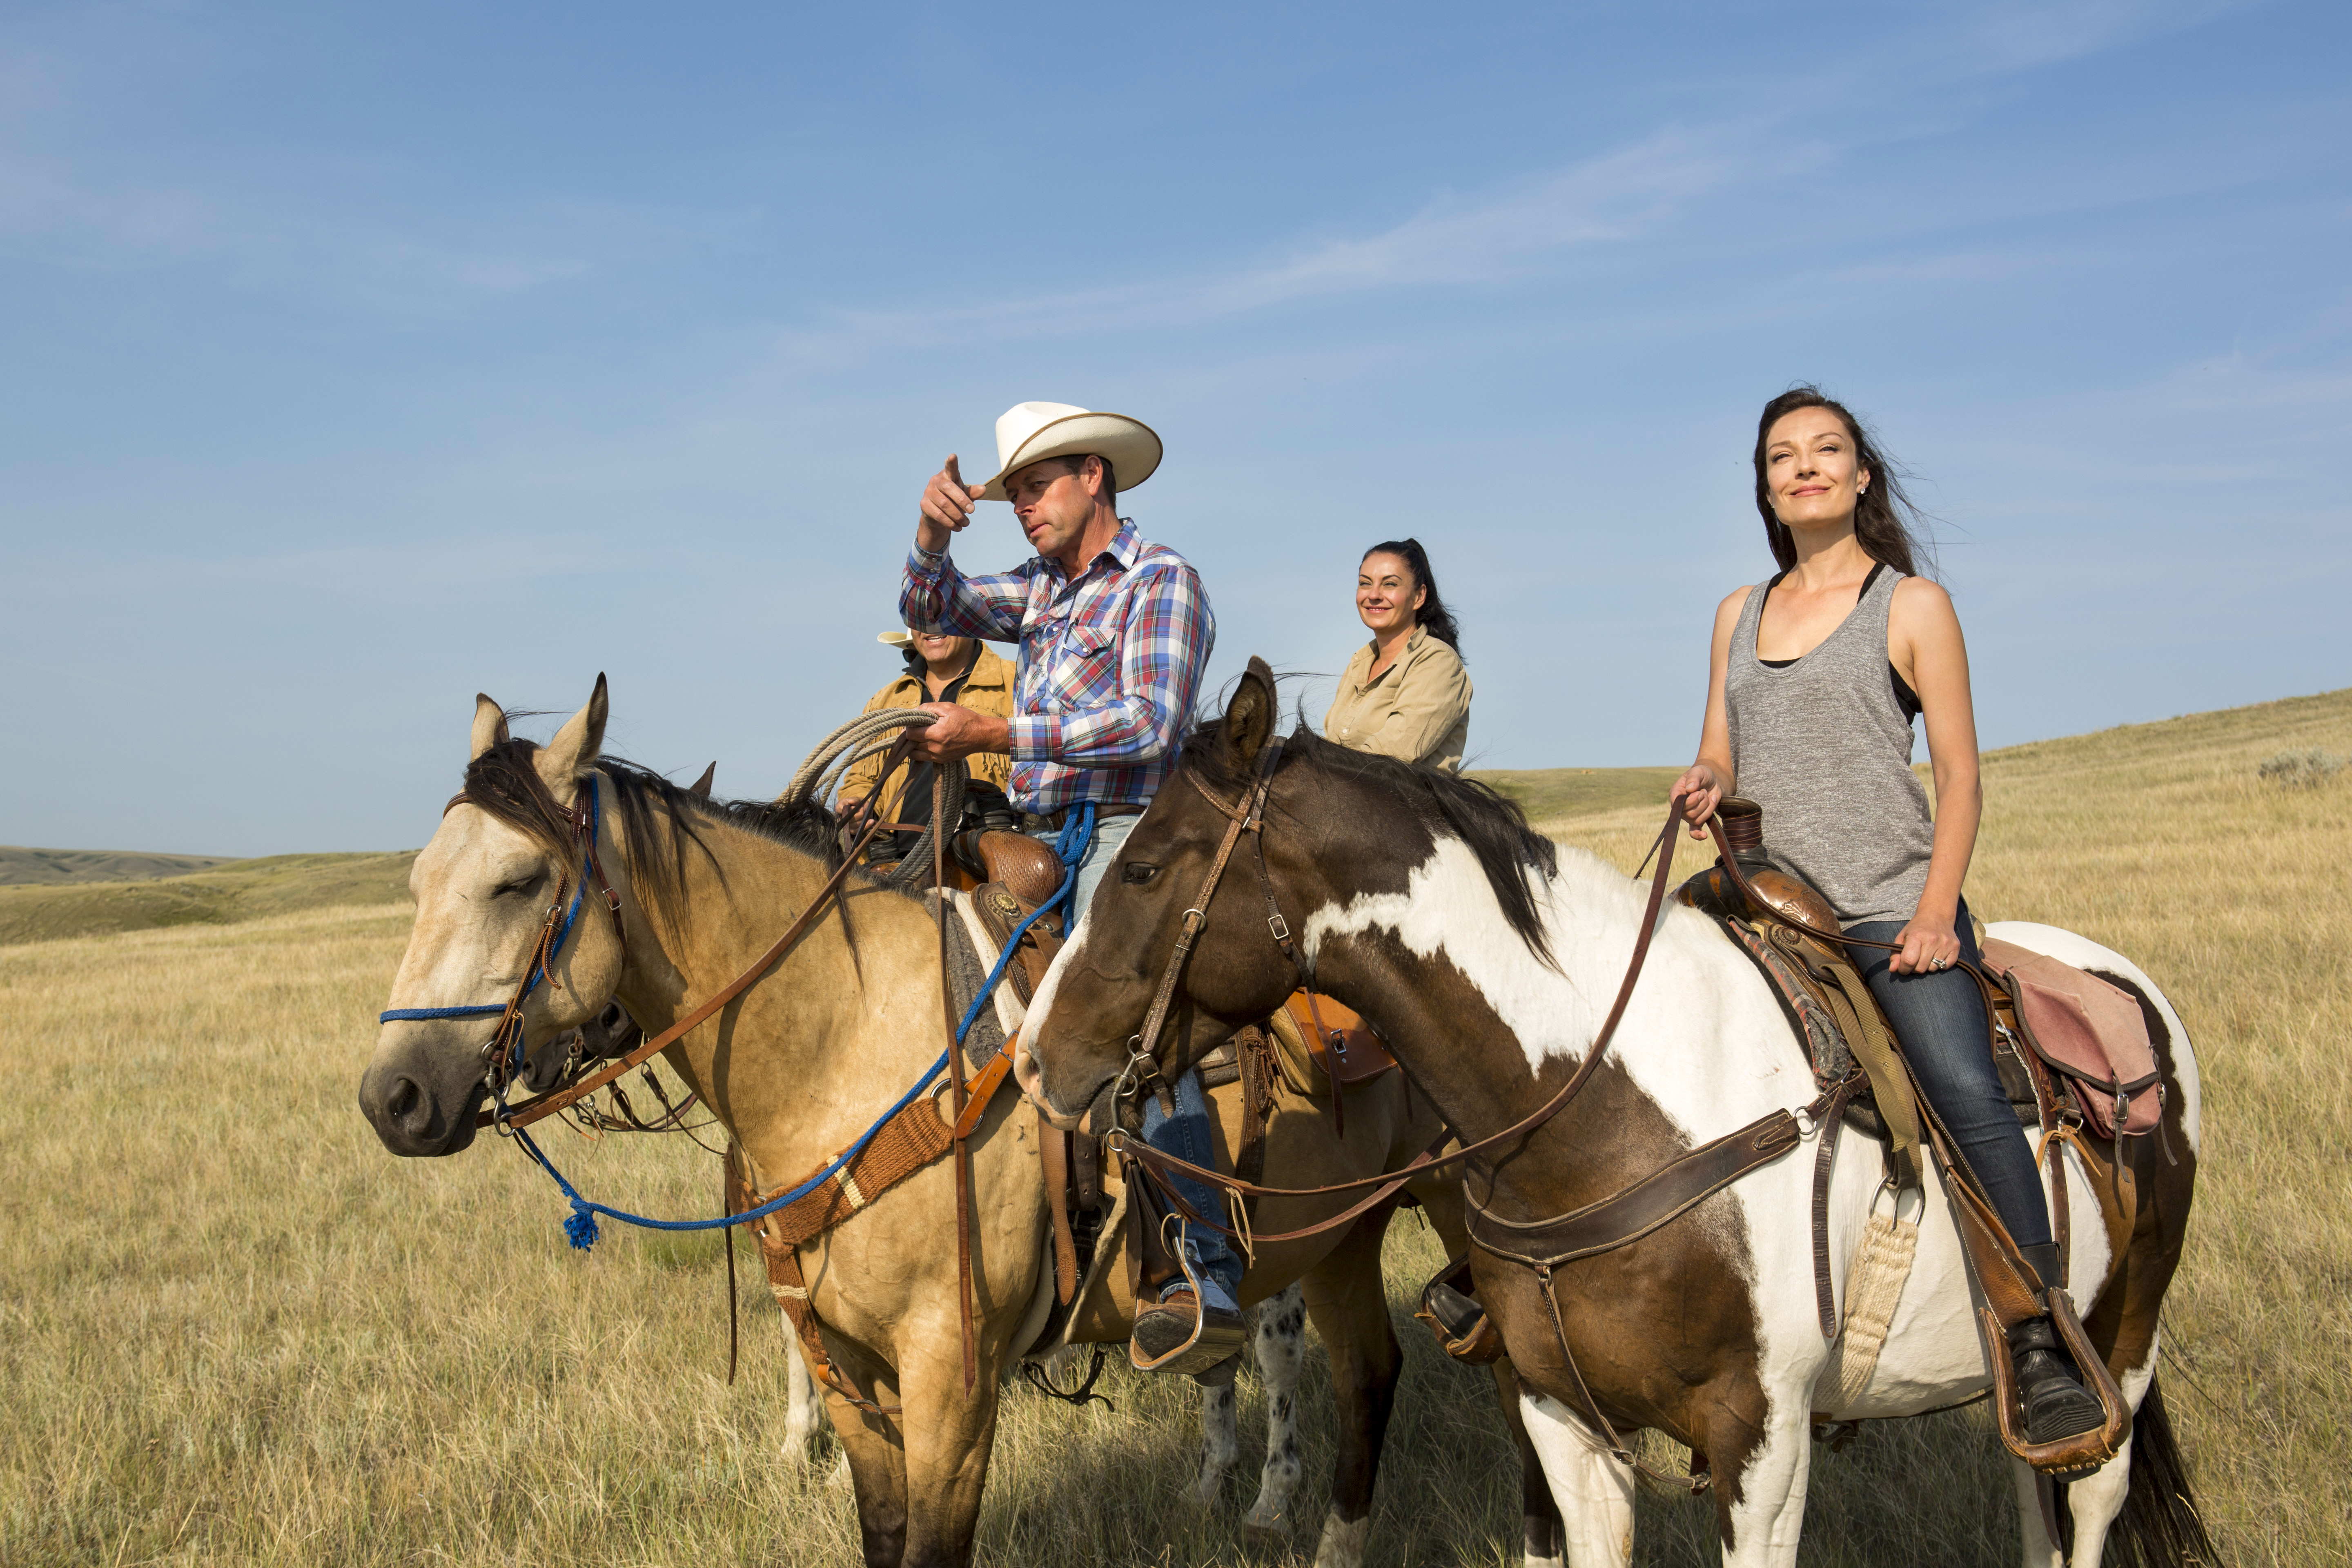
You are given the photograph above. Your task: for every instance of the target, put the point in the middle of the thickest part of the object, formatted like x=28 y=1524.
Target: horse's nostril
x=611 y=1016
x=402 y=1099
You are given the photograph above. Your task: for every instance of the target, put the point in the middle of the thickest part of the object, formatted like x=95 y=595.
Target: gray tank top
x=1823 y=747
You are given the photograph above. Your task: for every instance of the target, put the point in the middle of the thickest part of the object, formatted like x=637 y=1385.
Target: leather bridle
x=503 y=1053
x=1142 y=1072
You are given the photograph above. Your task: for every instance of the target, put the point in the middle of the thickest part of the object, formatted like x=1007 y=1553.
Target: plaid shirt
x=1108 y=666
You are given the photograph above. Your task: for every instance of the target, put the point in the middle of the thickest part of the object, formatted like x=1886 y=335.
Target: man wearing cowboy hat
x=1114 y=633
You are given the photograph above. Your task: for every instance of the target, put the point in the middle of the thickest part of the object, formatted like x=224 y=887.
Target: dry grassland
x=233 y=1330
x=239 y=890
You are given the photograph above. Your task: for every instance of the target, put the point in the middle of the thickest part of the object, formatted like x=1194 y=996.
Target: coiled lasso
x=869 y=735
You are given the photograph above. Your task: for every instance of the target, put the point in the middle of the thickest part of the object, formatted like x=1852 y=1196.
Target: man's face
x=1053 y=504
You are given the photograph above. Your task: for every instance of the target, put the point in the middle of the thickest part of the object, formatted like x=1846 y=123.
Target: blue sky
x=353 y=359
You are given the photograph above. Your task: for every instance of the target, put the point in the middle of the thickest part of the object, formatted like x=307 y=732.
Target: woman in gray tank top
x=1817 y=675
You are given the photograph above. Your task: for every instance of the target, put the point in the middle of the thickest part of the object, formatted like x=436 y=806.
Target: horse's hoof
x=1265 y=1537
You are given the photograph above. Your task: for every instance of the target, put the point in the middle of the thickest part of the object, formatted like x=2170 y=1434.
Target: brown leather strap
x=962 y=1150
x=791 y=1290
x=729 y=1187
x=547 y=1104
x=1249 y=1160
x=1633 y=1212
x=1824 y=1160
x=1143 y=1052
x=1053 y=1160
x=1591 y=1406
x=983 y=1089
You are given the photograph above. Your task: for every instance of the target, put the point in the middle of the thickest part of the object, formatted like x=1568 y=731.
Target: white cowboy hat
x=1029 y=433
x=896 y=639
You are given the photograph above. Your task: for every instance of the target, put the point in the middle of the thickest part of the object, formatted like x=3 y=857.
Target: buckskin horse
x=837 y=1030
x=1490 y=957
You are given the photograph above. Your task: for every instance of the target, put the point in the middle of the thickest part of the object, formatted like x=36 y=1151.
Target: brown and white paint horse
x=1489 y=958
x=797 y=1067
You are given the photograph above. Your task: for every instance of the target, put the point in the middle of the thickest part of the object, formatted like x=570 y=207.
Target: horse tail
x=2159 y=1526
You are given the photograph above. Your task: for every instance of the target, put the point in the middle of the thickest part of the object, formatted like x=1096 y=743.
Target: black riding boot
x=2049 y=1386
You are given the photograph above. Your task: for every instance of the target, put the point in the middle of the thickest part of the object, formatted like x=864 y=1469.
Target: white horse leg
x=2039 y=1550
x=1342 y=1543
x=1220 y=1443
x=805 y=1421
x=1281 y=1346
x=1593 y=1489
x=1771 y=1513
x=2098 y=1498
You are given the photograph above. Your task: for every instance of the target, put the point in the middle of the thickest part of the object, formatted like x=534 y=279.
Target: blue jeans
x=1939 y=1018
x=1187 y=1134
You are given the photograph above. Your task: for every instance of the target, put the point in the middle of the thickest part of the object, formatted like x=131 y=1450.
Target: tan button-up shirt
x=987 y=689
x=1417 y=708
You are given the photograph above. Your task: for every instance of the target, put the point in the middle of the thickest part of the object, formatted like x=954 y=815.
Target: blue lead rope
x=580 y=1226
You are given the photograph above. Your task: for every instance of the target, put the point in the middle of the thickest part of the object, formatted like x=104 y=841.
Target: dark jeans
x=1940 y=1020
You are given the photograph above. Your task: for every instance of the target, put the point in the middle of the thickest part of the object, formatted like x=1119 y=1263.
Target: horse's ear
x=576 y=746
x=1249 y=716
x=489 y=724
x=701 y=787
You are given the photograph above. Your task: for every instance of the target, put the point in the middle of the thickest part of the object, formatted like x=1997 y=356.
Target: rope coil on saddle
x=855 y=742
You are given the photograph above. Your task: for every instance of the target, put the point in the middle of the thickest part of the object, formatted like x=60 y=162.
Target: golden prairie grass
x=233 y=1330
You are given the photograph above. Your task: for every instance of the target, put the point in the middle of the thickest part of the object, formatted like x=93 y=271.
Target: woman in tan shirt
x=1405 y=693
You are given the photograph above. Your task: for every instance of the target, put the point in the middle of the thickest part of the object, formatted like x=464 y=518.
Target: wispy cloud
x=1885 y=90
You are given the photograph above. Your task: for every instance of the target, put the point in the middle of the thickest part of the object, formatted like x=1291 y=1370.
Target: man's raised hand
x=948 y=505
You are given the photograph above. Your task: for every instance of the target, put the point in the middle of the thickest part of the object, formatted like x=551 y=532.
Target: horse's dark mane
x=1490 y=823
x=660 y=820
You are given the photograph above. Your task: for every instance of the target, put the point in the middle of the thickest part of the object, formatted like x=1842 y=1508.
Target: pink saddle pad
x=2087 y=1029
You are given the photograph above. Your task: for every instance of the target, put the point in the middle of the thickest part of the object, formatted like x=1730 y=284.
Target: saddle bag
x=2091 y=1034
x=1351 y=1053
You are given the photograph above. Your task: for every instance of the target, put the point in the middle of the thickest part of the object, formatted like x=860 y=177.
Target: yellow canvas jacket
x=987 y=689
x=1418 y=709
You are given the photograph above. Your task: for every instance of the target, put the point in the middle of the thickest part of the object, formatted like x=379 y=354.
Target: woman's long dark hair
x=1433 y=612
x=1885 y=524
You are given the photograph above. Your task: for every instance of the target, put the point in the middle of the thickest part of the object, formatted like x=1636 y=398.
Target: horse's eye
x=1139 y=871
x=520 y=885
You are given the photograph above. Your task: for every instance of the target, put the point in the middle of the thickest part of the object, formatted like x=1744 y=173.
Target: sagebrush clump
x=2304 y=769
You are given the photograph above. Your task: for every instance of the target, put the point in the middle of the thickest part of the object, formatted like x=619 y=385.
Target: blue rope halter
x=513 y=1009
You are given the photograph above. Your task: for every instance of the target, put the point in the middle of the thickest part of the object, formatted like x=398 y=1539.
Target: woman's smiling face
x=1386 y=596
x=1809 y=469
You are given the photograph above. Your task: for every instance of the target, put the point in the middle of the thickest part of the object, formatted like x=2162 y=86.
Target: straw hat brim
x=896 y=639
x=1129 y=445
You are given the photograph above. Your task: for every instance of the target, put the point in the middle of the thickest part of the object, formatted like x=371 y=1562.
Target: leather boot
x=1457 y=1312
x=2049 y=1387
